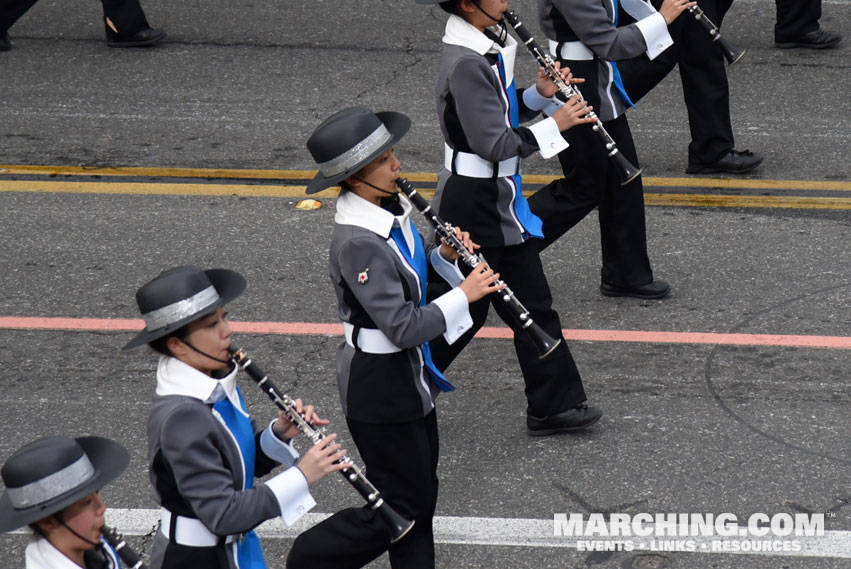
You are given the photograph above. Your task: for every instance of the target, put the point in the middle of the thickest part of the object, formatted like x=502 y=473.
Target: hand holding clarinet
x=627 y=171
x=482 y=280
x=327 y=454
x=576 y=110
x=324 y=457
x=450 y=236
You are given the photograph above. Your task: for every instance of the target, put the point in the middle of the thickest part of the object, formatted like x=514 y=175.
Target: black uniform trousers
x=553 y=384
x=126 y=15
x=703 y=73
x=796 y=18
x=401 y=461
x=591 y=180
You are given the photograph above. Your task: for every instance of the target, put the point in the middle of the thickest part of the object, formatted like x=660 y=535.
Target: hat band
x=356 y=154
x=52 y=485
x=162 y=317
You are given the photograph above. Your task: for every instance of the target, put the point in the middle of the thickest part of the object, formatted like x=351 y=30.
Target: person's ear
x=468 y=6
x=175 y=346
x=353 y=182
x=48 y=524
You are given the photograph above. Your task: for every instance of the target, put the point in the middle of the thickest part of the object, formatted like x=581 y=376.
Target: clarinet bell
x=731 y=53
x=543 y=341
x=627 y=171
x=398 y=526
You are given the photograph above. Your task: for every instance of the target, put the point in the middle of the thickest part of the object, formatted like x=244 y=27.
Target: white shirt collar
x=177 y=378
x=461 y=32
x=41 y=554
x=354 y=210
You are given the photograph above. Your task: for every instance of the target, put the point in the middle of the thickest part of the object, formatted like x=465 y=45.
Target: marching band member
x=584 y=35
x=53 y=485
x=480 y=189
x=387 y=381
x=203 y=451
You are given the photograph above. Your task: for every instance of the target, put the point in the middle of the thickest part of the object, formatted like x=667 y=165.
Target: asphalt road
x=697 y=428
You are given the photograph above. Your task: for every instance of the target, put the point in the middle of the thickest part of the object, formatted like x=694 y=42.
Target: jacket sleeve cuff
x=276 y=449
x=549 y=139
x=654 y=28
x=446 y=269
x=292 y=493
x=456 y=313
x=537 y=102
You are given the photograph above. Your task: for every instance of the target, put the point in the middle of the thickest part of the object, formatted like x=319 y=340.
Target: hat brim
x=109 y=460
x=229 y=284
x=398 y=125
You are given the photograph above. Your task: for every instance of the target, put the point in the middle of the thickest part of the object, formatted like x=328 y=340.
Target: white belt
x=189 y=531
x=370 y=340
x=574 y=50
x=474 y=166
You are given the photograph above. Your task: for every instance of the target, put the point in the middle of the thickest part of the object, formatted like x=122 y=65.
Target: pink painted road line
x=318 y=329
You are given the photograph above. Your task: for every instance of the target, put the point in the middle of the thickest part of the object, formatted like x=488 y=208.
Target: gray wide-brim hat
x=182 y=295
x=48 y=475
x=350 y=139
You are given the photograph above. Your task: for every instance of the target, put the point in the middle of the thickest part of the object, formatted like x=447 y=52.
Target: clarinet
x=127 y=555
x=543 y=341
x=397 y=525
x=731 y=53
x=627 y=171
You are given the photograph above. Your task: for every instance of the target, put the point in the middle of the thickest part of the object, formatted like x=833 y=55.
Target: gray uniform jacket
x=479 y=117
x=196 y=467
x=586 y=29
x=378 y=299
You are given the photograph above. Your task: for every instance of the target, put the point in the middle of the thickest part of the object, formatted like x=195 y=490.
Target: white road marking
x=516 y=532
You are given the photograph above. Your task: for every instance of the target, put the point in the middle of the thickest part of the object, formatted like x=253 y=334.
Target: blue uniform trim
x=249 y=551
x=420 y=264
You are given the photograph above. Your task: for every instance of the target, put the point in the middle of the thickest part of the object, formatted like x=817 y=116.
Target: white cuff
x=456 y=313
x=291 y=490
x=537 y=102
x=549 y=139
x=446 y=269
x=654 y=28
x=276 y=449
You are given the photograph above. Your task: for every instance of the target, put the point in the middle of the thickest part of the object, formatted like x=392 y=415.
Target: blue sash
x=110 y=552
x=530 y=222
x=249 y=552
x=616 y=74
x=420 y=264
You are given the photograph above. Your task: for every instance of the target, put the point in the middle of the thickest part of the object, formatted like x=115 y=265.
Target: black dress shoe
x=5 y=44
x=575 y=419
x=816 y=39
x=734 y=162
x=145 y=36
x=654 y=290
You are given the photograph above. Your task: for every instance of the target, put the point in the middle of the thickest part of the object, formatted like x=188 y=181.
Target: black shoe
x=145 y=36
x=816 y=39
x=734 y=162
x=575 y=419
x=5 y=44
x=654 y=290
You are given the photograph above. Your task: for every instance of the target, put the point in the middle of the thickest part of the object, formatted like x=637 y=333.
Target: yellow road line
x=272 y=191
x=215 y=173
x=709 y=200
x=264 y=191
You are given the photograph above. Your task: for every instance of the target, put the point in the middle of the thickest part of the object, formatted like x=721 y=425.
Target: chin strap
x=62 y=522
x=206 y=354
x=503 y=31
x=375 y=187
